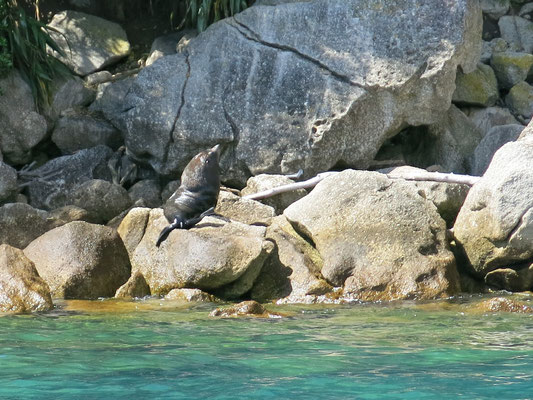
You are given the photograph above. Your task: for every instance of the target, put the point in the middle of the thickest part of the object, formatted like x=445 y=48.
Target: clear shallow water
x=154 y=350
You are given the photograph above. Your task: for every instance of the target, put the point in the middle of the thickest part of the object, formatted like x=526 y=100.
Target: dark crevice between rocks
x=178 y=113
x=249 y=34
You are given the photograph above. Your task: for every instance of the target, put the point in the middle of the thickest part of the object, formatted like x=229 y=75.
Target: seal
x=197 y=195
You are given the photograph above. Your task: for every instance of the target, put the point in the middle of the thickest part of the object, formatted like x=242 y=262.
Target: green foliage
x=202 y=13
x=23 y=44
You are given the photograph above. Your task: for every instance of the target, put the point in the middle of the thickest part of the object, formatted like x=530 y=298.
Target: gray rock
x=378 y=237
x=103 y=200
x=479 y=87
x=447 y=197
x=222 y=258
x=484 y=119
x=242 y=210
x=491 y=47
x=80 y=260
x=448 y=143
x=520 y=99
x=89 y=42
x=518 y=31
x=494 y=8
x=23 y=290
x=77 y=131
x=281 y=102
x=20 y=223
x=22 y=127
x=169 y=189
x=495 y=225
x=8 y=183
x=148 y=190
x=292 y=273
x=526 y=10
x=168 y=44
x=70 y=172
x=98 y=77
x=493 y=140
x=69 y=93
x=511 y=67
x=110 y=98
x=265 y=182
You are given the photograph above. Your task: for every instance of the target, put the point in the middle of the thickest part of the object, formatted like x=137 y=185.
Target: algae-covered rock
x=511 y=67
x=21 y=287
x=88 y=42
x=479 y=87
x=520 y=99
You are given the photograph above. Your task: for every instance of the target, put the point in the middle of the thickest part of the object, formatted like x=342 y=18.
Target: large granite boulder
x=81 y=260
x=65 y=174
x=495 y=225
x=88 y=42
x=215 y=256
x=22 y=126
x=379 y=238
x=301 y=84
x=21 y=287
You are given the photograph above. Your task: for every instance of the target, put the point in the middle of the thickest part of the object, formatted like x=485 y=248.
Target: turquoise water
x=157 y=350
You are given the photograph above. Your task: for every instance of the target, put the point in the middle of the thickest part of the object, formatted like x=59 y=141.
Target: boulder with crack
x=301 y=85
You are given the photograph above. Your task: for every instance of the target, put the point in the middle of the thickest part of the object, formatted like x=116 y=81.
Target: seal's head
x=203 y=170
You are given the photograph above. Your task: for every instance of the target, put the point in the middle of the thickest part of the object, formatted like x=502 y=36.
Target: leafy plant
x=27 y=41
x=202 y=13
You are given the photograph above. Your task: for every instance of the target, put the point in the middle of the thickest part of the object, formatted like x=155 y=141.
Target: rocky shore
x=369 y=89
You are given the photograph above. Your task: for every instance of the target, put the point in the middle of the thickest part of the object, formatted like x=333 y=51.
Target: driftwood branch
x=410 y=176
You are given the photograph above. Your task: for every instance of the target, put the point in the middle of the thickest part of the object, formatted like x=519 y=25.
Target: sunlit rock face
x=301 y=85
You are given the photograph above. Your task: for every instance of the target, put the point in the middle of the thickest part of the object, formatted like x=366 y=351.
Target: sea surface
x=153 y=349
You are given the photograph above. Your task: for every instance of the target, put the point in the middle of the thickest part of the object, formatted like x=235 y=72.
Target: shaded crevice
x=178 y=113
x=249 y=34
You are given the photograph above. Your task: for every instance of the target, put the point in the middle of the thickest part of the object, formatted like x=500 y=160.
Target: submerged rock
x=293 y=90
x=502 y=304
x=21 y=287
x=246 y=308
x=81 y=260
x=379 y=238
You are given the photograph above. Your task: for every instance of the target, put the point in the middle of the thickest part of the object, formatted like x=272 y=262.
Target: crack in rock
x=178 y=113
x=249 y=34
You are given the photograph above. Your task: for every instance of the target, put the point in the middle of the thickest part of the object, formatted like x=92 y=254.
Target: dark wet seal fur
x=197 y=195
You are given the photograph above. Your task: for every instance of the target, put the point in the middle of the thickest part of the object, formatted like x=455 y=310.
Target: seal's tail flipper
x=165 y=232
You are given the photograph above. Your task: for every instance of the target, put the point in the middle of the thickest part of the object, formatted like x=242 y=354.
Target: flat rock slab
x=88 y=42
x=301 y=85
